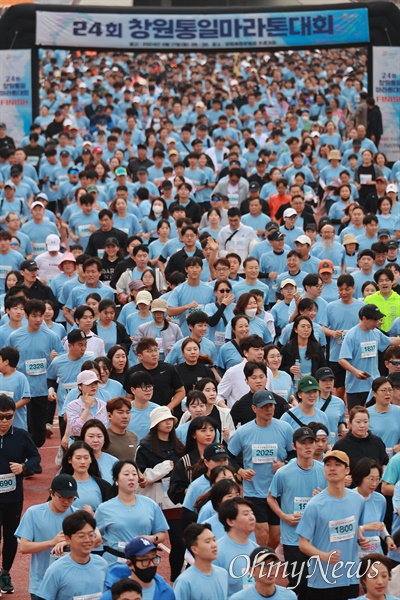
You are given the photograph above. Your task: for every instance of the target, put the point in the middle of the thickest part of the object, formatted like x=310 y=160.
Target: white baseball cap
x=52 y=242
x=303 y=239
x=289 y=212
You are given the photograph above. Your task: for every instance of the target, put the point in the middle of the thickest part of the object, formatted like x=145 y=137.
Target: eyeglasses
x=6 y=417
x=395 y=363
x=386 y=391
x=146 y=562
x=374 y=479
x=151 y=350
x=146 y=388
x=67 y=498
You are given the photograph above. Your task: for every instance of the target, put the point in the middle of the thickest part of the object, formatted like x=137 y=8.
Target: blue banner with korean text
x=200 y=32
x=16 y=92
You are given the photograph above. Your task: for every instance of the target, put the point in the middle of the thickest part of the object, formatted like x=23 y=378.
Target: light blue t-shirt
x=228 y=356
x=184 y=294
x=106 y=463
x=340 y=317
x=66 y=579
x=294 y=486
x=40 y=524
x=318 y=416
x=196 y=488
x=230 y=557
x=374 y=511
x=361 y=349
x=192 y=583
x=89 y=493
x=385 y=425
x=260 y=446
x=66 y=372
x=175 y=356
x=282 y=385
x=332 y=524
x=16 y=386
x=119 y=523
x=107 y=334
x=335 y=413
x=140 y=420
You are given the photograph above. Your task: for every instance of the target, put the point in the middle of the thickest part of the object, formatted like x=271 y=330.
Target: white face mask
x=157 y=209
x=250 y=312
x=305 y=117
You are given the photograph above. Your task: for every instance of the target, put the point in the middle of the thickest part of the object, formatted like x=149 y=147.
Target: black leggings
x=37 y=418
x=177 y=554
x=10 y=515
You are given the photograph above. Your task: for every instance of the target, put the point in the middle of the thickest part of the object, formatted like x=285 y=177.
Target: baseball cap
x=325 y=266
x=76 y=335
x=324 y=373
x=303 y=433
x=144 y=298
x=171 y=140
x=392 y=187
x=65 y=486
x=15 y=170
x=141 y=170
x=303 y=239
x=86 y=377
x=289 y=212
x=200 y=105
x=64 y=153
x=161 y=413
x=136 y=99
x=53 y=242
x=92 y=188
x=165 y=185
x=36 y=203
x=307 y=384
x=384 y=233
x=263 y=397
x=138 y=547
x=136 y=284
x=215 y=451
x=97 y=150
x=276 y=236
x=173 y=152
x=381 y=178
x=41 y=196
x=339 y=455
x=120 y=171
x=349 y=238
x=111 y=241
x=311 y=227
x=10 y=184
x=254 y=187
x=3 y=126
x=392 y=244
x=159 y=304
x=314 y=134
x=371 y=311
x=67 y=256
x=29 y=265
x=288 y=281
x=356 y=142
x=261 y=554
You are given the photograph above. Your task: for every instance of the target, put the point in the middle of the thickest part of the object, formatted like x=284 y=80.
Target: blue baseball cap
x=138 y=547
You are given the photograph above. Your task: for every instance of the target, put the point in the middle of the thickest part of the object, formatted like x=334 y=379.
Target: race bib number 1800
x=344 y=529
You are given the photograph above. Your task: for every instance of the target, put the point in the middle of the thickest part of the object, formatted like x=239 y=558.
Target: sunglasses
x=225 y=291
x=6 y=417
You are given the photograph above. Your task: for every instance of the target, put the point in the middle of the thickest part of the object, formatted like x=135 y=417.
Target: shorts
x=263 y=512
x=357 y=399
x=339 y=373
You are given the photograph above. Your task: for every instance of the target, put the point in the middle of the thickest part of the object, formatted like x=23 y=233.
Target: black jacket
x=290 y=354
x=146 y=459
x=242 y=412
x=372 y=447
x=307 y=214
x=181 y=477
x=97 y=240
x=177 y=261
x=17 y=446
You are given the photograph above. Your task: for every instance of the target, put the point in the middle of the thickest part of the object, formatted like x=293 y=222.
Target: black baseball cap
x=324 y=373
x=76 y=335
x=111 y=241
x=215 y=452
x=254 y=186
x=371 y=311
x=263 y=397
x=303 y=433
x=276 y=236
x=29 y=265
x=65 y=486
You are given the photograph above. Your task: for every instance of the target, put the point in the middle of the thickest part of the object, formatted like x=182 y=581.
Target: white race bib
x=4 y=269
x=369 y=349
x=165 y=485
x=8 y=483
x=84 y=231
x=7 y=393
x=374 y=546
x=38 y=248
x=340 y=340
x=264 y=453
x=300 y=503
x=342 y=530
x=88 y=596
x=121 y=547
x=36 y=366
x=160 y=345
x=233 y=200
x=219 y=338
x=67 y=387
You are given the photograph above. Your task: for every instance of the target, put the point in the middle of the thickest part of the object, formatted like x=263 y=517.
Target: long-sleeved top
x=75 y=409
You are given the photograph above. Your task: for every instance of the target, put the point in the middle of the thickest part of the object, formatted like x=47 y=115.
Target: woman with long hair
x=124 y=220
x=247 y=305
x=79 y=462
x=95 y=434
x=87 y=405
x=158 y=211
x=220 y=312
x=108 y=328
x=119 y=362
x=201 y=433
x=128 y=514
x=156 y=456
x=49 y=318
x=220 y=414
x=195 y=364
x=149 y=281
x=282 y=381
x=113 y=387
x=302 y=355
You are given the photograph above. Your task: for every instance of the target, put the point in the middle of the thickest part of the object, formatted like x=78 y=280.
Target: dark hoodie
x=372 y=447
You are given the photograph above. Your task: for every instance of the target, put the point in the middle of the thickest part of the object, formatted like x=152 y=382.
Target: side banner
x=16 y=92
x=197 y=32
x=386 y=82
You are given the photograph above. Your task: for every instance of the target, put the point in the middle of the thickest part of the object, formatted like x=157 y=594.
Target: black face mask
x=145 y=575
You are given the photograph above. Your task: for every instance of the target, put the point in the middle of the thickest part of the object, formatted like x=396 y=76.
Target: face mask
x=146 y=575
x=250 y=312
x=157 y=210
x=305 y=118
